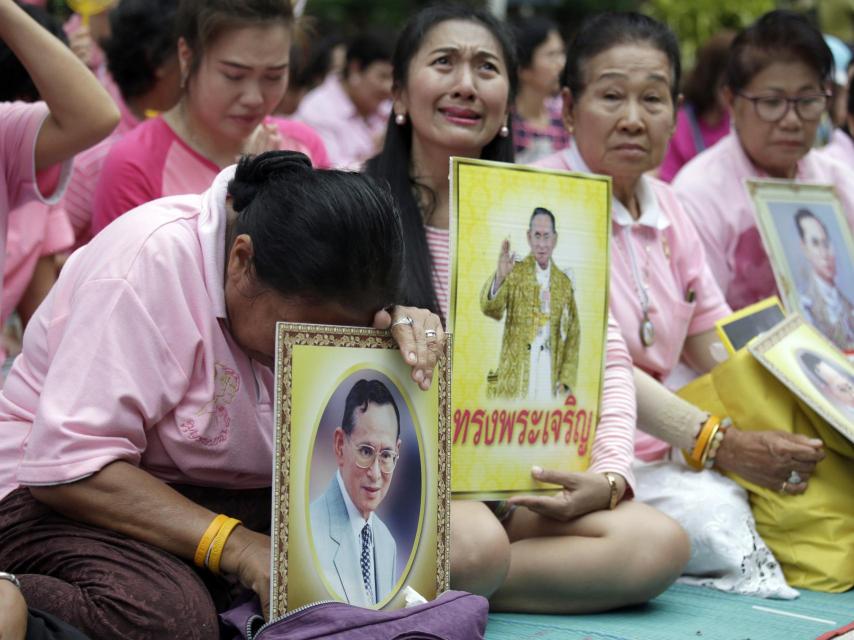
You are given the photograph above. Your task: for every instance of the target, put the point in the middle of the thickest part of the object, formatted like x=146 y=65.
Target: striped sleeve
x=613 y=446
x=439 y=245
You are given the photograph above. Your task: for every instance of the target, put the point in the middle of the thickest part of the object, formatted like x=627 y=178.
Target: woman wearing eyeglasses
x=777 y=90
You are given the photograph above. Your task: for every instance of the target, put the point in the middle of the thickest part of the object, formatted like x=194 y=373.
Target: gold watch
x=614 y=487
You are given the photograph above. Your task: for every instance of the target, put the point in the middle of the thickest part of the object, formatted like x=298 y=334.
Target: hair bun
x=253 y=172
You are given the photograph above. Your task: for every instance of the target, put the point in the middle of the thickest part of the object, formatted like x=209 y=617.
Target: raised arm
x=81 y=111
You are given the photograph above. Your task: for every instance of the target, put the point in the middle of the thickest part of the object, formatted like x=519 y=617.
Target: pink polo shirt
x=670 y=265
x=129 y=358
x=350 y=139
x=152 y=161
x=684 y=144
x=840 y=148
x=712 y=189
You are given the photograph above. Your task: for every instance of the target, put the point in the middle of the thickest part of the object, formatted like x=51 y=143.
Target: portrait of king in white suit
x=356 y=550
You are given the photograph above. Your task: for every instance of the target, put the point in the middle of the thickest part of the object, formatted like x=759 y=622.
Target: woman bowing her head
x=141 y=405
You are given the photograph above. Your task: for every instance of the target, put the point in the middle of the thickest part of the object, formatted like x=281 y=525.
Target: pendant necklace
x=647 y=329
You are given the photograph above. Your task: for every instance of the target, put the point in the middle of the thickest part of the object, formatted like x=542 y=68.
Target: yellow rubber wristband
x=695 y=460
x=219 y=544
x=207 y=540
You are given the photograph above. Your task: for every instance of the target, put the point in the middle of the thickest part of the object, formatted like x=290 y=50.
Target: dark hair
x=702 y=84
x=529 y=35
x=201 y=22
x=806 y=213
x=542 y=211
x=313 y=63
x=393 y=163
x=142 y=39
x=777 y=36
x=367 y=48
x=17 y=84
x=319 y=235
x=363 y=393
x=607 y=30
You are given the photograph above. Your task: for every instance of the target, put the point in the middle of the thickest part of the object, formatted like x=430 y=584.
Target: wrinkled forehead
x=464 y=37
x=640 y=60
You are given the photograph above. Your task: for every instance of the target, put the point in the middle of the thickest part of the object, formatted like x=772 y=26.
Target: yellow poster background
x=491 y=202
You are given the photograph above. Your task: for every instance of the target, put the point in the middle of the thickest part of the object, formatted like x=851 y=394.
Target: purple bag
x=454 y=615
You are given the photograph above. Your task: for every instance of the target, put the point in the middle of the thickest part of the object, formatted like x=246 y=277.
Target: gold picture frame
x=316 y=367
x=812 y=368
x=794 y=220
x=738 y=329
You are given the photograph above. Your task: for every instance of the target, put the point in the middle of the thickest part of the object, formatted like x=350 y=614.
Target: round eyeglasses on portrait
x=366 y=454
x=774 y=108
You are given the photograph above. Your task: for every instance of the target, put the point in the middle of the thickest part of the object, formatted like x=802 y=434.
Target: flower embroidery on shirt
x=226 y=386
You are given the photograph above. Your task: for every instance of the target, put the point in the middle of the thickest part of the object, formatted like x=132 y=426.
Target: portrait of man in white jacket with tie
x=356 y=550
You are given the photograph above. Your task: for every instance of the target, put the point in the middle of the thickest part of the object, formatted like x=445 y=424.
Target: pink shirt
x=129 y=358
x=35 y=230
x=840 y=148
x=350 y=138
x=683 y=145
x=438 y=242
x=670 y=265
x=80 y=196
x=152 y=161
x=713 y=192
x=19 y=183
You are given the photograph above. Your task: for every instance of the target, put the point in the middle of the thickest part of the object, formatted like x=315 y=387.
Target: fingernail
x=412 y=357
x=536 y=470
x=419 y=375
x=816 y=442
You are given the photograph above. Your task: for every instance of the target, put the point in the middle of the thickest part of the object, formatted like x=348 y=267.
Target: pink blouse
x=658 y=260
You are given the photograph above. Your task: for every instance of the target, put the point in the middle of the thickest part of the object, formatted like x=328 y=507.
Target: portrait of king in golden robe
x=539 y=348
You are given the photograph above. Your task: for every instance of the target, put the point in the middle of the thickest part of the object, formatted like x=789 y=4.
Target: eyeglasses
x=366 y=454
x=775 y=108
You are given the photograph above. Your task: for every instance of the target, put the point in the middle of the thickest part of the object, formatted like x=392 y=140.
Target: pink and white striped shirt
x=438 y=241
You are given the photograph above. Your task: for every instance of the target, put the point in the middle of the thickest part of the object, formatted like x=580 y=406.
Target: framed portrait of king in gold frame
x=811 y=249
x=361 y=487
x=529 y=312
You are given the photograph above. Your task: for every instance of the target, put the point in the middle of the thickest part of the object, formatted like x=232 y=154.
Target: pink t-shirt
x=80 y=195
x=712 y=189
x=35 y=230
x=350 y=139
x=683 y=145
x=840 y=148
x=152 y=161
x=19 y=183
x=438 y=243
x=129 y=358
x=660 y=253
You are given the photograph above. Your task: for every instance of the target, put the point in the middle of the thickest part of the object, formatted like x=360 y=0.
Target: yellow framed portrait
x=811 y=249
x=736 y=330
x=529 y=310
x=812 y=368
x=361 y=500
